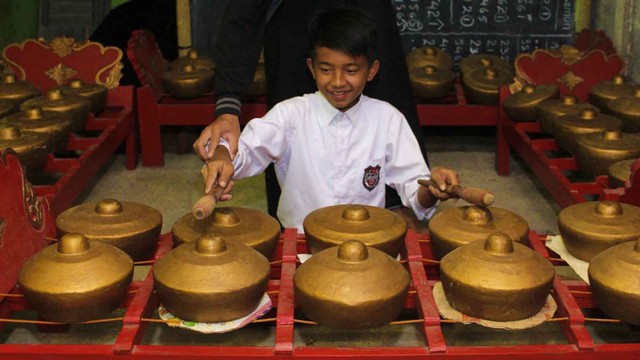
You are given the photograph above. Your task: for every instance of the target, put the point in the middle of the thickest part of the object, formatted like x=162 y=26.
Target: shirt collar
x=329 y=113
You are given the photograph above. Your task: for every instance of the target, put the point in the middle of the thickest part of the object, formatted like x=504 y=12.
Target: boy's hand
x=226 y=126
x=441 y=177
x=218 y=172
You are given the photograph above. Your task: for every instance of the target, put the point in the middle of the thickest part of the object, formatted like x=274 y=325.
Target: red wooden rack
x=27 y=223
x=48 y=64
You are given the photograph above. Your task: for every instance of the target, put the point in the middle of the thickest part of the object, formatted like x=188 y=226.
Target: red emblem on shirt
x=371 y=177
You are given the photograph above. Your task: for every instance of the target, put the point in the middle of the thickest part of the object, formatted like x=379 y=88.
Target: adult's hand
x=226 y=126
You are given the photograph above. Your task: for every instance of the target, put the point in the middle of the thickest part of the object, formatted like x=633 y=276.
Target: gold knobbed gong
x=6 y=108
x=31 y=147
x=74 y=106
x=130 y=226
x=351 y=286
x=376 y=227
x=188 y=82
x=482 y=85
x=496 y=279
x=596 y=152
x=16 y=91
x=568 y=128
x=429 y=56
x=601 y=93
x=96 y=93
x=455 y=227
x=251 y=227
x=591 y=227
x=76 y=280
x=614 y=280
x=521 y=106
x=620 y=172
x=550 y=110
x=54 y=125
x=627 y=109
x=473 y=62
x=430 y=82
x=211 y=279
x=193 y=58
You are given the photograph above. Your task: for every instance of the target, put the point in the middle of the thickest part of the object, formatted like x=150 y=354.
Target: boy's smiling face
x=341 y=77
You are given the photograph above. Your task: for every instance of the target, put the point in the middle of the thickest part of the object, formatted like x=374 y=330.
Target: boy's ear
x=310 y=66
x=373 y=70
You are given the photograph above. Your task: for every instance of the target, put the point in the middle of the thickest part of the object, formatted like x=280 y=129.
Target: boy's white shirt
x=321 y=154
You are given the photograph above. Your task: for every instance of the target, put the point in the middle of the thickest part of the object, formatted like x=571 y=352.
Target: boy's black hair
x=346 y=29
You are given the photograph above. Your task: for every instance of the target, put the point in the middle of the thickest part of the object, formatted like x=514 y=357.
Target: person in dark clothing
x=158 y=16
x=280 y=28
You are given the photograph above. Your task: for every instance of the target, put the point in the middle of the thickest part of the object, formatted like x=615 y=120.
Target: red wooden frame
x=571 y=296
x=552 y=171
x=573 y=72
x=48 y=64
x=589 y=39
x=456 y=111
x=157 y=109
x=116 y=125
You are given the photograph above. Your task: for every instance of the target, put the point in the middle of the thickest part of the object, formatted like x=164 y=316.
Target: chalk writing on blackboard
x=500 y=27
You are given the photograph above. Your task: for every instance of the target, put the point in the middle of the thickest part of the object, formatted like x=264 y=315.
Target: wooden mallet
x=471 y=195
x=206 y=204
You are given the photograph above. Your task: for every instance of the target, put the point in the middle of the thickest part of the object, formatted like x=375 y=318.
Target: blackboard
x=500 y=27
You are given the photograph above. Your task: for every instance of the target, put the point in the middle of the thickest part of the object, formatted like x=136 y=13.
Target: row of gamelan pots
x=432 y=77
x=430 y=72
x=219 y=267
x=602 y=134
x=34 y=124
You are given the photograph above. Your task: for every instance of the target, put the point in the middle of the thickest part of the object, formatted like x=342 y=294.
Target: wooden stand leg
x=150 y=136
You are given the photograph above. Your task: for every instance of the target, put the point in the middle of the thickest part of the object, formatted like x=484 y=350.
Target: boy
x=335 y=146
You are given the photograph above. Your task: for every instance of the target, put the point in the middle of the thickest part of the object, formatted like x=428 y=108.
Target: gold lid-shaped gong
x=351 y=286
x=54 y=125
x=96 y=93
x=568 y=128
x=211 y=279
x=75 y=106
x=32 y=148
x=614 y=279
x=482 y=85
x=473 y=62
x=591 y=227
x=376 y=227
x=521 y=106
x=429 y=56
x=601 y=93
x=430 y=82
x=194 y=58
x=620 y=172
x=130 y=226
x=188 y=81
x=16 y=91
x=496 y=279
x=76 y=279
x=627 y=109
x=459 y=226
x=551 y=109
x=251 y=227
x=596 y=152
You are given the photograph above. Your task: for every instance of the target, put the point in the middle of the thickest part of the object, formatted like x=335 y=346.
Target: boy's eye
x=325 y=70
x=352 y=71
